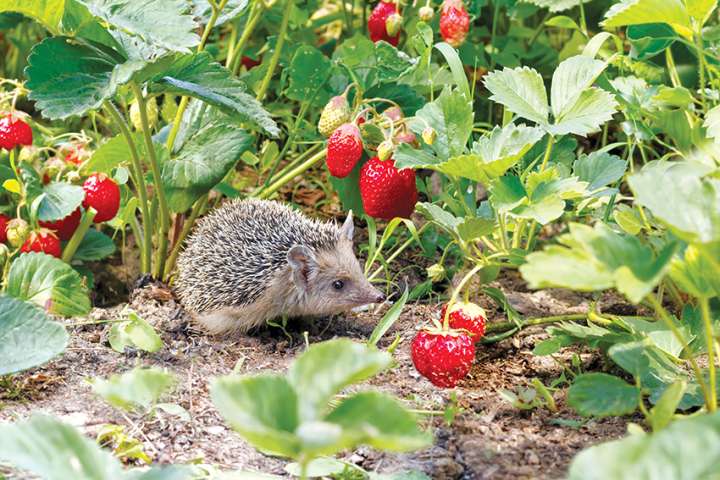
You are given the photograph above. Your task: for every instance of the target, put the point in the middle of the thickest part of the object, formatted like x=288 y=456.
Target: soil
x=489 y=438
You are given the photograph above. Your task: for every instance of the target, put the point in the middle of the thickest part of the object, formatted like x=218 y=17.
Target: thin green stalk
x=278 y=50
x=139 y=179
x=157 y=180
x=672 y=69
x=457 y=291
x=398 y=251
x=74 y=243
x=517 y=234
x=665 y=317
x=503 y=232
x=275 y=186
x=548 y=150
x=710 y=340
x=583 y=21
x=701 y=69
x=252 y=21
x=507 y=326
x=198 y=207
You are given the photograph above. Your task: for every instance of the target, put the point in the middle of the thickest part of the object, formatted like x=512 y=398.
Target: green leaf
x=712 y=123
x=686 y=449
x=48 y=282
x=193 y=172
x=570 y=79
x=48 y=12
x=69 y=77
x=199 y=76
x=328 y=367
x=60 y=200
x=562 y=21
x=697 y=272
x=638 y=12
x=377 y=420
x=451 y=116
x=664 y=186
x=263 y=409
x=136 y=389
x=602 y=395
x=502 y=148
x=456 y=67
x=308 y=71
x=599 y=169
x=593 y=259
x=388 y=319
x=522 y=91
x=406 y=156
x=234 y=8
x=319 y=467
x=135 y=332
x=593 y=108
x=55 y=451
x=650 y=39
x=111 y=154
x=165 y=24
x=95 y=245
x=555 y=5
x=700 y=10
x=662 y=413
x=27 y=336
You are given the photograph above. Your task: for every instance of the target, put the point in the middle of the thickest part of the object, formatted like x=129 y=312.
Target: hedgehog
x=251 y=261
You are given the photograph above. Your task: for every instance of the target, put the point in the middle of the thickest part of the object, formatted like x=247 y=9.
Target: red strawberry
x=249 y=62
x=344 y=149
x=14 y=131
x=65 y=227
x=103 y=194
x=377 y=23
x=444 y=358
x=387 y=192
x=4 y=219
x=454 y=22
x=76 y=154
x=44 y=241
x=466 y=316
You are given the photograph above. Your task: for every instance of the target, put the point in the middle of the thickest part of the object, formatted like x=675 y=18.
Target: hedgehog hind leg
x=225 y=320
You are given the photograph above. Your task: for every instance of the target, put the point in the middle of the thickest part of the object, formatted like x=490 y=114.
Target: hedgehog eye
x=338 y=284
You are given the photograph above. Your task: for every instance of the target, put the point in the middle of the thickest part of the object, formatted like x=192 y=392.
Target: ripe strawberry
x=4 y=219
x=103 y=194
x=76 y=153
x=44 y=241
x=387 y=192
x=248 y=62
x=454 y=22
x=65 y=227
x=334 y=114
x=344 y=149
x=443 y=357
x=14 y=131
x=466 y=316
x=377 y=23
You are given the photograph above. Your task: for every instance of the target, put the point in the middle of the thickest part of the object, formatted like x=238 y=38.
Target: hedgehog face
x=332 y=279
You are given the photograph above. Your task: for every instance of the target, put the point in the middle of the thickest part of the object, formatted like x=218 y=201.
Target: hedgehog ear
x=301 y=260
x=348 y=227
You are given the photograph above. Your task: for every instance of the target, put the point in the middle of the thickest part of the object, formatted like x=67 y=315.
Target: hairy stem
x=709 y=338
x=252 y=21
x=157 y=180
x=139 y=179
x=275 y=186
x=278 y=50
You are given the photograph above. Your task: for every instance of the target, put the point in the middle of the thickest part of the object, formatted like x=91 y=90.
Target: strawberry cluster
x=444 y=353
x=386 y=191
x=100 y=193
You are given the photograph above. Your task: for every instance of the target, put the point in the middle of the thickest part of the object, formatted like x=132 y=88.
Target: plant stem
x=275 y=186
x=548 y=150
x=709 y=338
x=157 y=180
x=278 y=50
x=198 y=207
x=399 y=250
x=701 y=69
x=253 y=18
x=665 y=317
x=456 y=293
x=216 y=9
x=506 y=326
x=139 y=179
x=74 y=243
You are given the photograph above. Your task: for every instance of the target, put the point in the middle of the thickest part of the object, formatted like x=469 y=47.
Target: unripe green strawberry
x=429 y=135
x=385 y=150
x=4 y=253
x=335 y=113
x=426 y=13
x=435 y=272
x=17 y=232
x=152 y=113
x=393 y=24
